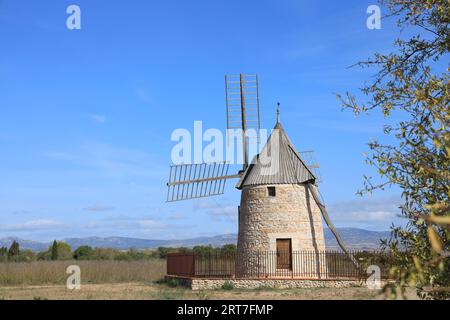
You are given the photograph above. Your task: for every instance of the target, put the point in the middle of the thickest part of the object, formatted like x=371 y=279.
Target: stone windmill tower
x=280 y=209
x=278 y=212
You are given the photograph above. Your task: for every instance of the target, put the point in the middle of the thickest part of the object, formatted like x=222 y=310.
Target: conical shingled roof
x=269 y=169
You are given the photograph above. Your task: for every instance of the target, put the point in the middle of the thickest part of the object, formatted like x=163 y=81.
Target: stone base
x=212 y=284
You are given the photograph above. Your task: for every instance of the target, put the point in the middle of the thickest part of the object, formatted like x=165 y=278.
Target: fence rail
x=276 y=265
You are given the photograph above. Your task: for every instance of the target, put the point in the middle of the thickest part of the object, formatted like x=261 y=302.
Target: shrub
x=26 y=256
x=14 y=250
x=59 y=251
x=173 y=282
x=83 y=253
x=228 y=248
x=44 y=256
x=3 y=254
x=203 y=250
x=228 y=285
x=162 y=252
x=122 y=256
x=103 y=254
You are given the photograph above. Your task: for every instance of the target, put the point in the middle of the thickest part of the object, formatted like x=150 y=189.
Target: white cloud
x=217 y=211
x=21 y=212
x=177 y=216
x=43 y=224
x=99 y=118
x=150 y=224
x=47 y=229
x=99 y=208
x=378 y=213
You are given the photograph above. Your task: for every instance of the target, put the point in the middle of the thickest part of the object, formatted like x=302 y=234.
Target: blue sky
x=86 y=115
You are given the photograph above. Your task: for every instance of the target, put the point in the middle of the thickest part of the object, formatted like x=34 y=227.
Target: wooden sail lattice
x=192 y=181
x=309 y=159
x=242 y=101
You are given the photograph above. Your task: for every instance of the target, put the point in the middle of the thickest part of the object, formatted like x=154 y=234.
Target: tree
x=64 y=251
x=162 y=252
x=135 y=254
x=413 y=82
x=14 y=250
x=103 y=254
x=83 y=253
x=229 y=248
x=60 y=251
x=26 y=256
x=54 y=251
x=203 y=250
x=3 y=254
x=43 y=255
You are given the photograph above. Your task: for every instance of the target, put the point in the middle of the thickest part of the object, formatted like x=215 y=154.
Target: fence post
x=194 y=264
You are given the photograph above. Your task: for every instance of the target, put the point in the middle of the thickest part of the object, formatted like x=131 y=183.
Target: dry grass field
x=120 y=280
x=54 y=272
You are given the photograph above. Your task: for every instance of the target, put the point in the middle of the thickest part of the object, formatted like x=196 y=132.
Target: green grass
x=202 y=295
x=170 y=282
x=170 y=295
x=264 y=288
x=228 y=286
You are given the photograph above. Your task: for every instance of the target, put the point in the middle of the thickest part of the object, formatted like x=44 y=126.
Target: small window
x=271 y=191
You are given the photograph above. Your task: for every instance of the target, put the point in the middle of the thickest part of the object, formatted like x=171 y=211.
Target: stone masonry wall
x=291 y=214
x=211 y=284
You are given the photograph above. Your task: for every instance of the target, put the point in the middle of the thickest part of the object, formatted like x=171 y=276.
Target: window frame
x=271 y=192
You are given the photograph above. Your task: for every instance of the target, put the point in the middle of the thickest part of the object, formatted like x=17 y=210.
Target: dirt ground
x=153 y=291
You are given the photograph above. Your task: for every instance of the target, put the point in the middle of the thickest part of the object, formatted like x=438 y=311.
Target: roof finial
x=278 y=112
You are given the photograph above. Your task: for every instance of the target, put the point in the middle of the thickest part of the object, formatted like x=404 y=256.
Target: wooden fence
x=276 y=265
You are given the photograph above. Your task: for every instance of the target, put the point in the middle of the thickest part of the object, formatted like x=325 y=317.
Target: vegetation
x=227 y=285
x=98 y=265
x=150 y=290
x=61 y=251
x=54 y=251
x=83 y=253
x=14 y=250
x=172 y=282
x=54 y=272
x=3 y=254
x=412 y=82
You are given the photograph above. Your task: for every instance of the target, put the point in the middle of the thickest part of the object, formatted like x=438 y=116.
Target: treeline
x=63 y=251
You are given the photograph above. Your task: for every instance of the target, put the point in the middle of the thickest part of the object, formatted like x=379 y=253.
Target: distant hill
x=357 y=239
x=25 y=244
x=126 y=243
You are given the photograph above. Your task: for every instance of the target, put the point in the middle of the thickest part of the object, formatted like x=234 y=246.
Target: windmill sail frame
x=242 y=102
x=310 y=160
x=193 y=181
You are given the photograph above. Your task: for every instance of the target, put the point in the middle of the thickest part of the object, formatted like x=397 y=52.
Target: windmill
x=281 y=207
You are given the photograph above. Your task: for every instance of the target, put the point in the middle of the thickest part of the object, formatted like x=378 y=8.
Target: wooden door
x=284 y=254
